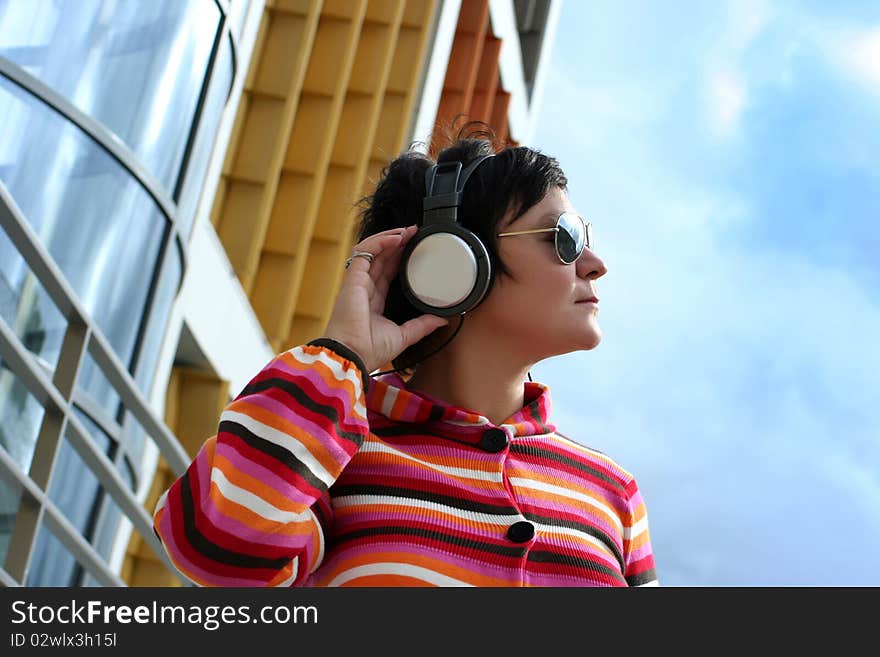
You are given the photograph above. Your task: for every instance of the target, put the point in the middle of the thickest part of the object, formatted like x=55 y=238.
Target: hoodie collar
x=388 y=396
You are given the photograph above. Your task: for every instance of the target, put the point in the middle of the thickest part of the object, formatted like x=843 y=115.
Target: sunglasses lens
x=571 y=238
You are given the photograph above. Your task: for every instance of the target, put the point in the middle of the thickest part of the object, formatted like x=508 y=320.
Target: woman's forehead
x=543 y=215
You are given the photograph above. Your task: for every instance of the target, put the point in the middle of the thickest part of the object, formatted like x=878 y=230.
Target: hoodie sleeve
x=251 y=508
x=638 y=555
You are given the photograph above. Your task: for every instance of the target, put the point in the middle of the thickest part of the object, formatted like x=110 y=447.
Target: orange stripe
x=256 y=486
x=316 y=447
x=242 y=514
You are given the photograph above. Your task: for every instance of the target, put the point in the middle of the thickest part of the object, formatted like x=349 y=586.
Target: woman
x=452 y=474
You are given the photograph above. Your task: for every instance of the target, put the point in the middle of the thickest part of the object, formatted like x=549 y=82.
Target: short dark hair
x=513 y=181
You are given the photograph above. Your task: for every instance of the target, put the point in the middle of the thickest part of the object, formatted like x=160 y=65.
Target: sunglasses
x=573 y=235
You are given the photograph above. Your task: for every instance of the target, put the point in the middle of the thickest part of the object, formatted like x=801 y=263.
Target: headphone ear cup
x=445 y=270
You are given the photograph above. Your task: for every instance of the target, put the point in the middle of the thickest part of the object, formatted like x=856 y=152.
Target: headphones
x=445 y=268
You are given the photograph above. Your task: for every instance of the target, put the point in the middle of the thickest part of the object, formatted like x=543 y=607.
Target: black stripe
x=211 y=550
x=318 y=509
x=532 y=450
x=642 y=578
x=587 y=529
x=280 y=454
x=304 y=400
x=391 y=530
x=414 y=494
x=436 y=412
x=543 y=556
x=535 y=412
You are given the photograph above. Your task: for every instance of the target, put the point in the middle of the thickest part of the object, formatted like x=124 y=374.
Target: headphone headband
x=444 y=187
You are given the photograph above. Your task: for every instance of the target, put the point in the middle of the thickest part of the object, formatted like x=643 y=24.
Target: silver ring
x=359 y=254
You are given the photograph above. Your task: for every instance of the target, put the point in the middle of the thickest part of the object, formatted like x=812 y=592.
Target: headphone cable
x=448 y=340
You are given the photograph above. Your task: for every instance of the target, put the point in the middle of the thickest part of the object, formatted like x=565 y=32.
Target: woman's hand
x=357 y=321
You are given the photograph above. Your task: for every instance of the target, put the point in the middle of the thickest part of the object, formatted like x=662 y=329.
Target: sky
x=727 y=154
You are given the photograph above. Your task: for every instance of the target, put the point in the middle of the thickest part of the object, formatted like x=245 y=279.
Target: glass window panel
x=76 y=492
x=27 y=308
x=9 y=501
x=237 y=14
x=98 y=223
x=51 y=564
x=212 y=112
x=20 y=418
x=108 y=524
x=136 y=67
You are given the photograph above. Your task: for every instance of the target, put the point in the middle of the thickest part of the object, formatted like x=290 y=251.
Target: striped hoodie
x=322 y=476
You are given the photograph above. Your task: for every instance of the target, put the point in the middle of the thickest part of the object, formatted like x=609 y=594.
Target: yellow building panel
x=345 y=9
x=334 y=228
x=259 y=45
x=388 y=140
x=273 y=296
x=335 y=212
x=259 y=143
x=369 y=72
x=152 y=573
x=219 y=202
x=384 y=11
x=309 y=137
x=315 y=291
x=296 y=6
x=305 y=329
x=308 y=153
x=419 y=13
x=277 y=69
x=372 y=175
x=331 y=57
x=239 y=221
x=354 y=129
x=241 y=119
x=266 y=125
x=405 y=66
x=287 y=224
x=201 y=398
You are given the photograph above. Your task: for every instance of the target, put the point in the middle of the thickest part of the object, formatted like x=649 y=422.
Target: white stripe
x=653 y=582
x=254 y=502
x=383 y=500
x=565 y=492
x=391 y=568
x=294 y=569
x=388 y=400
x=632 y=532
x=161 y=503
x=284 y=440
x=320 y=532
x=464 y=473
x=336 y=369
x=480 y=421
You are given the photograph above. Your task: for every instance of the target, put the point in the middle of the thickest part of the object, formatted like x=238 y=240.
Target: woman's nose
x=591 y=266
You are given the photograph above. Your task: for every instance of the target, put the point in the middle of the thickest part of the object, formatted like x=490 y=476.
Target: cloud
x=737 y=377
x=728 y=99
x=725 y=78
x=859 y=54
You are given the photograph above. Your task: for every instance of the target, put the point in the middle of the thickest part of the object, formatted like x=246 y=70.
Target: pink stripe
x=257 y=471
x=330 y=568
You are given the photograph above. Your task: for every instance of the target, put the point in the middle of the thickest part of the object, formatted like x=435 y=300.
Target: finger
x=375 y=245
x=390 y=263
x=415 y=329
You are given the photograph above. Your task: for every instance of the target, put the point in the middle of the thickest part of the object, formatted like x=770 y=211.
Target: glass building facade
x=108 y=115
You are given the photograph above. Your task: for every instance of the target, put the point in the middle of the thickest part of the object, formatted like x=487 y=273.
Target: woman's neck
x=475 y=374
